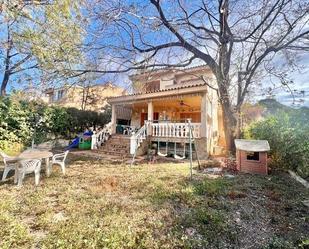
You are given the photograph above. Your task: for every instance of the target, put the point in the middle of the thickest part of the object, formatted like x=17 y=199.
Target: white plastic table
x=37 y=154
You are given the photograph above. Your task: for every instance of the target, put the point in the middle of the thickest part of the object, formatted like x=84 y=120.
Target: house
x=92 y=98
x=160 y=105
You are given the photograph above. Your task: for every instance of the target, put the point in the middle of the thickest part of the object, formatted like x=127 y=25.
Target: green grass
x=98 y=205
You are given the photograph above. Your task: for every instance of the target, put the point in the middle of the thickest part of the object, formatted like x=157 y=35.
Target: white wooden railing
x=137 y=138
x=175 y=130
x=99 y=138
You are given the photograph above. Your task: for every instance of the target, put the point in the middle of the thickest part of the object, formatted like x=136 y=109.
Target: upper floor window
x=152 y=86
x=59 y=95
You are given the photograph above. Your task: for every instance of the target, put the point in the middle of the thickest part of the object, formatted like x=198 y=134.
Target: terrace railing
x=174 y=130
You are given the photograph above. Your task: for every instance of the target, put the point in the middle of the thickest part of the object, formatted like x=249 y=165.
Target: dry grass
x=99 y=205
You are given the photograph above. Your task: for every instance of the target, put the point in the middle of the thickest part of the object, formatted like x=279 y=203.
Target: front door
x=155 y=117
x=144 y=116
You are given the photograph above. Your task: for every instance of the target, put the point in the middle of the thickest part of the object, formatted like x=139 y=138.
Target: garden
x=102 y=205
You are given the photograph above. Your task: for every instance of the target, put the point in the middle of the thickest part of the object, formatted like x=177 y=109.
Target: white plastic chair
x=27 y=167
x=59 y=159
x=9 y=164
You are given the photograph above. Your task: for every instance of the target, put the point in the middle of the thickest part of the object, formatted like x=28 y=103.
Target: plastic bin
x=84 y=143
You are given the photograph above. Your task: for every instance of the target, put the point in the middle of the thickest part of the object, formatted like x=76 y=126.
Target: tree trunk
x=229 y=119
x=239 y=124
x=4 y=83
x=7 y=62
x=230 y=125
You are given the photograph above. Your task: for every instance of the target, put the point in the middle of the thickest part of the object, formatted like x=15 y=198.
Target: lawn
x=100 y=205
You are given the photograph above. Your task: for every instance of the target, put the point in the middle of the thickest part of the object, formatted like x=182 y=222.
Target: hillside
x=272 y=107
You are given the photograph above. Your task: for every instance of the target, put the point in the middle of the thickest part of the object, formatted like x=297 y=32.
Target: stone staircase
x=116 y=145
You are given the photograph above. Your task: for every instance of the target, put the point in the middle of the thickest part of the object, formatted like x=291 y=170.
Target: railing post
x=93 y=141
x=149 y=130
x=114 y=120
x=132 y=143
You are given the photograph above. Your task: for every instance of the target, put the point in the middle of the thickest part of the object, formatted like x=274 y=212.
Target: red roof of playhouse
x=252 y=145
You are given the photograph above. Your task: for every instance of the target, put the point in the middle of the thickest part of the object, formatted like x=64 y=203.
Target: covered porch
x=166 y=115
x=162 y=117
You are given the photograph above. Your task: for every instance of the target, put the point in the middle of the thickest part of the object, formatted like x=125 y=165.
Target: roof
x=252 y=145
x=178 y=88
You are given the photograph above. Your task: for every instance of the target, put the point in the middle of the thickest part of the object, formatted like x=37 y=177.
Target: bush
x=21 y=121
x=11 y=148
x=81 y=119
x=288 y=136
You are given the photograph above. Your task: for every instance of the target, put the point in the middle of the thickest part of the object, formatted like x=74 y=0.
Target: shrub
x=288 y=136
x=81 y=119
x=11 y=148
x=21 y=121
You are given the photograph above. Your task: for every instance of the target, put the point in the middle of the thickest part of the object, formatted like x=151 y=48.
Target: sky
x=300 y=85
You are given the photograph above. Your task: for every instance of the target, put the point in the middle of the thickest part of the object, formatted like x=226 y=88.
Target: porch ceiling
x=188 y=102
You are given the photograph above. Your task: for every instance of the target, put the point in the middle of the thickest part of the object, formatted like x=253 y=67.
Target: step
x=116 y=143
x=125 y=137
x=116 y=146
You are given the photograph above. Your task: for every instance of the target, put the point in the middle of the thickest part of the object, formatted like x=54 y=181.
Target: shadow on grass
x=197 y=209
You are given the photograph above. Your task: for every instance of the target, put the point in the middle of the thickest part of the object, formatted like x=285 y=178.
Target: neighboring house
x=93 y=98
x=167 y=99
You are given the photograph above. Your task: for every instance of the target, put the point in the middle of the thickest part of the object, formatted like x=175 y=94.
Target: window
x=153 y=86
x=60 y=94
x=253 y=156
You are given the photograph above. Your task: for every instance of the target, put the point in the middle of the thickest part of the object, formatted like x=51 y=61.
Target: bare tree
x=38 y=37
x=14 y=60
x=88 y=95
x=240 y=41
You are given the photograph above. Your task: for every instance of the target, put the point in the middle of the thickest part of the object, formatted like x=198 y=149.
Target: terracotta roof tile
x=179 y=86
